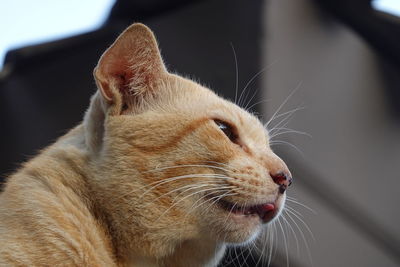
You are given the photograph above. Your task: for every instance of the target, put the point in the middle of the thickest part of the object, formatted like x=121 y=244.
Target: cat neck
x=199 y=252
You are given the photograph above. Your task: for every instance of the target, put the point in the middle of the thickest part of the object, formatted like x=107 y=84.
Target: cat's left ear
x=131 y=68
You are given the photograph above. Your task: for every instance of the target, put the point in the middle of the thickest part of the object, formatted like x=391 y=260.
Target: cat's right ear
x=131 y=69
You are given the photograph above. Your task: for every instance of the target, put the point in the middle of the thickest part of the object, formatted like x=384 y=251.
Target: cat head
x=173 y=160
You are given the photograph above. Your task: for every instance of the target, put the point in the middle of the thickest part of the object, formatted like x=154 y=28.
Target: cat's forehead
x=247 y=124
x=199 y=101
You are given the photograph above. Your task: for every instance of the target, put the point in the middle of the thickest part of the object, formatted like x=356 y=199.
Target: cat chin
x=239 y=229
x=235 y=229
x=242 y=237
x=242 y=241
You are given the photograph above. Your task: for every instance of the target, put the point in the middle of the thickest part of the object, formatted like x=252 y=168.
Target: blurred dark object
x=380 y=30
x=144 y=9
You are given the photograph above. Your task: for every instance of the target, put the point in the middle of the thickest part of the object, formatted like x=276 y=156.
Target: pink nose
x=282 y=179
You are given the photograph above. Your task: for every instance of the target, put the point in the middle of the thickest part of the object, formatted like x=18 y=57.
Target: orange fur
x=104 y=194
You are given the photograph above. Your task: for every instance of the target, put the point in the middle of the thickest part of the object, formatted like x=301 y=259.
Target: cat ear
x=131 y=67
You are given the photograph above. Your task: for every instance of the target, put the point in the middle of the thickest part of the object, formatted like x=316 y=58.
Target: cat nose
x=283 y=179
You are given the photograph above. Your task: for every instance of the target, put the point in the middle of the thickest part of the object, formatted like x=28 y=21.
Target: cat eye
x=228 y=130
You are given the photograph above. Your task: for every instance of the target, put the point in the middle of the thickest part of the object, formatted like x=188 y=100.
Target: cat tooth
x=247 y=212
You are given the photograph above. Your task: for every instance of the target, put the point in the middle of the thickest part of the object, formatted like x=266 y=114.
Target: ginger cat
x=162 y=172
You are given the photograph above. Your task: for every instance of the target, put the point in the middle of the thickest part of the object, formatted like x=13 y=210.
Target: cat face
x=181 y=159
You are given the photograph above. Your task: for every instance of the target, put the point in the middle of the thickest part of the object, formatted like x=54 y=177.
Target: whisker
x=275 y=247
x=289 y=131
x=172 y=179
x=237 y=256
x=253 y=247
x=264 y=237
x=190 y=165
x=229 y=214
x=283 y=122
x=255 y=104
x=251 y=98
x=283 y=114
x=294 y=234
x=301 y=204
x=221 y=164
x=302 y=236
x=187 y=176
x=252 y=79
x=237 y=72
x=303 y=222
x=280 y=142
x=185 y=197
x=292 y=209
x=284 y=241
x=272 y=244
x=283 y=103
x=190 y=187
x=218 y=198
x=214 y=199
x=248 y=249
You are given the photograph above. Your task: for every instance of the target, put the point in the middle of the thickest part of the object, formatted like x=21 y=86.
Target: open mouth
x=264 y=211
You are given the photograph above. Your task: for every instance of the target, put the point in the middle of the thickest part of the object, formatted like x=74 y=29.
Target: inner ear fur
x=131 y=68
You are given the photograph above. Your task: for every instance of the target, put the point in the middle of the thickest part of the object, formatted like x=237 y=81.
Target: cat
x=161 y=172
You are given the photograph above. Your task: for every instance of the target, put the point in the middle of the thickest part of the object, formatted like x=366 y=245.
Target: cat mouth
x=265 y=212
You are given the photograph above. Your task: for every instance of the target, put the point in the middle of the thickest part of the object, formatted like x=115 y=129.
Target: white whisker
x=294 y=234
x=189 y=187
x=283 y=114
x=257 y=103
x=280 y=142
x=251 y=98
x=283 y=122
x=292 y=209
x=236 y=72
x=289 y=131
x=283 y=103
x=301 y=204
x=251 y=80
x=272 y=244
x=185 y=197
x=285 y=242
x=302 y=236
x=213 y=199
x=191 y=166
x=187 y=176
x=303 y=222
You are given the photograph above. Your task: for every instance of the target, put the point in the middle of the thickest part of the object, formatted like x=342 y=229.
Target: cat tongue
x=265 y=211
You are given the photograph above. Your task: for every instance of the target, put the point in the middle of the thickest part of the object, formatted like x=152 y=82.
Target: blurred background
x=328 y=70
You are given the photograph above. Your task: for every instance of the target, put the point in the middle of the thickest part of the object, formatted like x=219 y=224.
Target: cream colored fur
x=96 y=197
